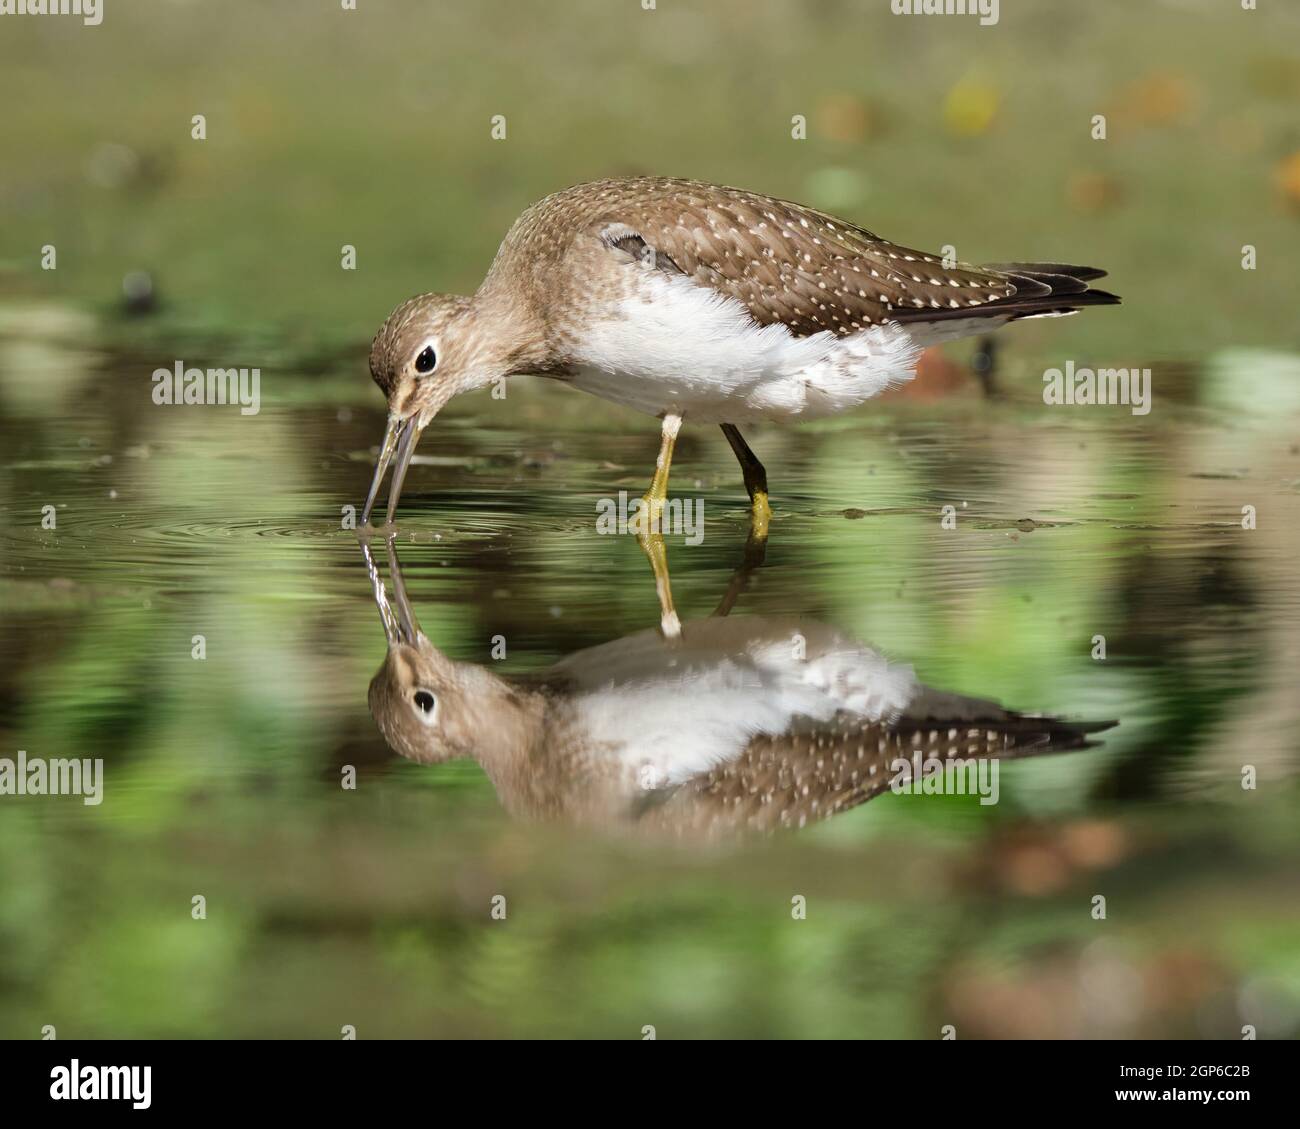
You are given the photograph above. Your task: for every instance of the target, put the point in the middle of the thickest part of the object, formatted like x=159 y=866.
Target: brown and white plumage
x=692 y=301
x=786 y=263
x=738 y=725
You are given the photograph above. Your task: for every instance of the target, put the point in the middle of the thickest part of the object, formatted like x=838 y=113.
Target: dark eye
x=426 y=360
x=424 y=701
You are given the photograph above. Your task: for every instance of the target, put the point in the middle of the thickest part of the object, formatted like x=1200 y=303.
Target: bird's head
x=429 y=707
x=431 y=348
x=426 y=705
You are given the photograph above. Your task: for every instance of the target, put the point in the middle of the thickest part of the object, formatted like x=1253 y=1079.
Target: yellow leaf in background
x=970 y=107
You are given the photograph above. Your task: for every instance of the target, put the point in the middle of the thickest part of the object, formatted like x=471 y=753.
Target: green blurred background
x=372 y=128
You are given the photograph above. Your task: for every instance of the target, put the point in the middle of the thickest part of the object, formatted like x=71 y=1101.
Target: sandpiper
x=739 y=725
x=693 y=301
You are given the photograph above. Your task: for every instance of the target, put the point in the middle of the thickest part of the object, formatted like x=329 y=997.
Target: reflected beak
x=400 y=438
x=386 y=614
x=408 y=630
x=400 y=626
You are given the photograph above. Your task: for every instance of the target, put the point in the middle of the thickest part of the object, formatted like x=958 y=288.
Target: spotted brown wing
x=815 y=771
x=811 y=271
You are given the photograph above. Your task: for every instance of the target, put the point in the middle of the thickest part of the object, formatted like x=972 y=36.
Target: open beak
x=400 y=438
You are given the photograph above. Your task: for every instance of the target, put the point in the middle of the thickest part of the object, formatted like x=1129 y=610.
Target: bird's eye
x=427 y=360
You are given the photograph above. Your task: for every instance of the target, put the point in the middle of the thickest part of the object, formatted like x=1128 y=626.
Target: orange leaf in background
x=848 y=118
x=1093 y=843
x=1287 y=176
x=1092 y=192
x=1035 y=870
x=937 y=376
x=1159 y=98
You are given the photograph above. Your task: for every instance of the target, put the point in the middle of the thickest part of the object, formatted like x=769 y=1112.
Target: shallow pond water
x=1094 y=567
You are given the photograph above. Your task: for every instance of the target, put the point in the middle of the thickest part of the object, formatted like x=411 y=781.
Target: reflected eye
x=424 y=702
x=426 y=360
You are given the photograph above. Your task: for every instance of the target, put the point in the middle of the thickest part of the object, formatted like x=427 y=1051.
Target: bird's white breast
x=685 y=706
x=675 y=346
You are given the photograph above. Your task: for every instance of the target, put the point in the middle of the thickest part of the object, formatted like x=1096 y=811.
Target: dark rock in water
x=138 y=293
x=985 y=365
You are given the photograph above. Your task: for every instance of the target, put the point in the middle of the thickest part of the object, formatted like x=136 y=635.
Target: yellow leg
x=658 y=493
x=760 y=512
x=649 y=532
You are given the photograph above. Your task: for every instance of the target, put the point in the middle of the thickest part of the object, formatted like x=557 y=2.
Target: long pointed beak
x=400 y=438
x=408 y=626
x=405 y=449
x=400 y=624
x=386 y=614
x=391 y=434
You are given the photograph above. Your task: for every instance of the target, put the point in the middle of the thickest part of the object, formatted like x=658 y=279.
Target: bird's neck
x=536 y=754
x=520 y=340
x=504 y=722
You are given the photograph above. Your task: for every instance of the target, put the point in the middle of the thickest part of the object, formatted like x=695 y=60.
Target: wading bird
x=691 y=301
x=745 y=724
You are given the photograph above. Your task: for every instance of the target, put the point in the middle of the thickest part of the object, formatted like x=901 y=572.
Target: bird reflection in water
x=733 y=725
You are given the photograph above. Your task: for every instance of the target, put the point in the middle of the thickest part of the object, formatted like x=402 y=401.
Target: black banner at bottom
x=360 y=1077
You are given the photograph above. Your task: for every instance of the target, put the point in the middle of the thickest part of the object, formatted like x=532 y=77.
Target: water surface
x=372 y=905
